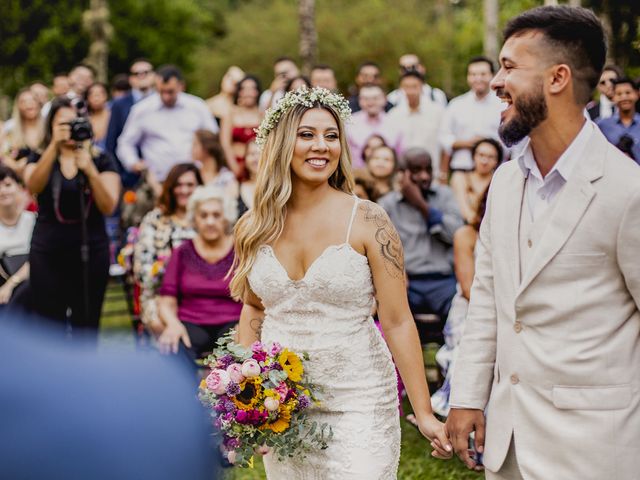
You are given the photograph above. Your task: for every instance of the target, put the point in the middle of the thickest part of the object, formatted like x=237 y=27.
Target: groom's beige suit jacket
x=553 y=352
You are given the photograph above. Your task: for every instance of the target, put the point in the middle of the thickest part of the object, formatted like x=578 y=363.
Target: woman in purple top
x=195 y=303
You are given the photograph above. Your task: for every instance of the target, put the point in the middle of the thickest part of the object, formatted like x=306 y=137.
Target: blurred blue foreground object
x=69 y=412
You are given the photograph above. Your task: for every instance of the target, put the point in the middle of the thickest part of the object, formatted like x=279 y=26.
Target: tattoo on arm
x=256 y=326
x=387 y=238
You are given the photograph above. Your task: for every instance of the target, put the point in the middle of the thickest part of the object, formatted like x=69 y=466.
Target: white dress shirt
x=468 y=116
x=541 y=191
x=164 y=135
x=607 y=107
x=420 y=127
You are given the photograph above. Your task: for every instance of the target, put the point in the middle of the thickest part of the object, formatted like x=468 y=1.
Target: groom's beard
x=530 y=111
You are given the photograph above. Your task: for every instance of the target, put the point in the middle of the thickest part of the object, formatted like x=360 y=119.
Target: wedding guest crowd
x=427 y=161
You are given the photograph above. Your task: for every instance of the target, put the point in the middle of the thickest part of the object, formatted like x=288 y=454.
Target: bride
x=310 y=258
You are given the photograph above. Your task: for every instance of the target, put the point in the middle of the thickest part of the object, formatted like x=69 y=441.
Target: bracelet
x=13 y=281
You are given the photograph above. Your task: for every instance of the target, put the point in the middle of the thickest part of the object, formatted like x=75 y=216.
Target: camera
x=80 y=129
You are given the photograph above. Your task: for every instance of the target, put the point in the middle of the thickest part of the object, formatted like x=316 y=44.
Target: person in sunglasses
x=605 y=106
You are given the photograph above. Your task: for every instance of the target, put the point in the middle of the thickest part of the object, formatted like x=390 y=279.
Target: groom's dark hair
x=574 y=36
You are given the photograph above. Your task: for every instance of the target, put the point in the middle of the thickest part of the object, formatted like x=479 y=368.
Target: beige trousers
x=509 y=469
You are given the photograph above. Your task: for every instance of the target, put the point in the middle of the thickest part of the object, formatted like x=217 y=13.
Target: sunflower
x=292 y=365
x=250 y=394
x=281 y=423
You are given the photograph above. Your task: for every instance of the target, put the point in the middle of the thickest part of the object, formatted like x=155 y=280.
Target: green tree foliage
x=39 y=38
x=205 y=37
x=164 y=31
x=443 y=33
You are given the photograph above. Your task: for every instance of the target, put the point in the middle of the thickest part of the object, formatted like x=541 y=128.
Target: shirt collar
x=567 y=161
x=616 y=118
x=180 y=102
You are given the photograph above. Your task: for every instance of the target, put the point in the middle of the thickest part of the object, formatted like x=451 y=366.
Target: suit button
x=514 y=379
x=517 y=327
x=529 y=243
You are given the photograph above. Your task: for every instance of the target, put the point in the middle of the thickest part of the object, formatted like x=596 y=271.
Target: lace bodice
x=327 y=314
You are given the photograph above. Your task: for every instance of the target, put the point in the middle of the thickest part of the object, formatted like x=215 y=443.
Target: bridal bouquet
x=259 y=398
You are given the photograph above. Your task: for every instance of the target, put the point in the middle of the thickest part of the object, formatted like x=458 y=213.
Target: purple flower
x=251 y=417
x=231 y=443
x=259 y=356
x=233 y=389
x=229 y=406
x=256 y=347
x=303 y=402
x=224 y=361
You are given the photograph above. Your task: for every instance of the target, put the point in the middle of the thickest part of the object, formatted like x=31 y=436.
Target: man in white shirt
x=469 y=118
x=162 y=126
x=410 y=62
x=418 y=118
x=548 y=367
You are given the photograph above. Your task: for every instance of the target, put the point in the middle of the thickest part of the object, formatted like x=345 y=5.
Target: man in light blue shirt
x=162 y=127
x=626 y=121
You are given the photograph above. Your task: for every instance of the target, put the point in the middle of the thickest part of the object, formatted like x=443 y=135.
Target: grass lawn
x=415 y=461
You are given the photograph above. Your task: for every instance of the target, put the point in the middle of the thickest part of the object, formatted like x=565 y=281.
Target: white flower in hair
x=301 y=96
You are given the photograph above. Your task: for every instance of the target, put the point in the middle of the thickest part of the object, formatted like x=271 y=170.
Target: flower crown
x=301 y=96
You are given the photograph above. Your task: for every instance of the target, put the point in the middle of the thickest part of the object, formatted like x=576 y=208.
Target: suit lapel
x=513 y=205
x=571 y=204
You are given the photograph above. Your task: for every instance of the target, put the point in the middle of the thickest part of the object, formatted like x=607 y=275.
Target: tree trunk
x=491 y=29
x=308 y=34
x=575 y=3
x=95 y=21
x=551 y=2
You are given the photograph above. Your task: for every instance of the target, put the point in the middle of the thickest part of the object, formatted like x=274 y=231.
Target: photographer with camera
x=77 y=185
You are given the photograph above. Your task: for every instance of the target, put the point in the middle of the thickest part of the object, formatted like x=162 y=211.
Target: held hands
x=460 y=423
x=172 y=336
x=434 y=431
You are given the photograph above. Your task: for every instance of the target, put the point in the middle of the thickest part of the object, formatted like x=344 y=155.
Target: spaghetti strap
x=353 y=216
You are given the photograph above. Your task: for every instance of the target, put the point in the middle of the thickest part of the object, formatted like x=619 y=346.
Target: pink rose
x=235 y=372
x=282 y=390
x=250 y=368
x=232 y=456
x=271 y=404
x=217 y=381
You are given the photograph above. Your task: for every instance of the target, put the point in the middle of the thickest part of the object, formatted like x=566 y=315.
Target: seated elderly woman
x=194 y=303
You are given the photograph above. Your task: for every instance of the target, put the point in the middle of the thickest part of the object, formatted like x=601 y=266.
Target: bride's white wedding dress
x=327 y=314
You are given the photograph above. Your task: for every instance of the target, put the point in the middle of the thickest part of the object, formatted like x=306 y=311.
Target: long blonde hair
x=264 y=223
x=15 y=138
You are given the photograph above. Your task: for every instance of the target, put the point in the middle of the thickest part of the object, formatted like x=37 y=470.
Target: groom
x=551 y=351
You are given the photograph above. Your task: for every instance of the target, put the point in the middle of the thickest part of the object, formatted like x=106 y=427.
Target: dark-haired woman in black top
x=76 y=185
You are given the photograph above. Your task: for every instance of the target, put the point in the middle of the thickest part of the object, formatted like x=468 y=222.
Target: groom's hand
x=460 y=423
